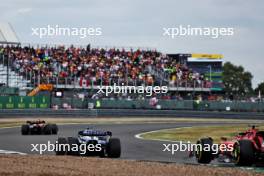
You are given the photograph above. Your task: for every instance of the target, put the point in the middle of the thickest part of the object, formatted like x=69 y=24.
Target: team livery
x=247 y=149
x=96 y=142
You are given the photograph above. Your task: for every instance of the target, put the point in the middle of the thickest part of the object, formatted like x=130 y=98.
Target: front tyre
x=204 y=152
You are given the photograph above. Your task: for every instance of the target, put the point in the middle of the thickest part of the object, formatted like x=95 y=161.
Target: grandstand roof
x=7 y=34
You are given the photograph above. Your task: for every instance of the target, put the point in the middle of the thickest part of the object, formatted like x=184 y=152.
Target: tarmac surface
x=132 y=147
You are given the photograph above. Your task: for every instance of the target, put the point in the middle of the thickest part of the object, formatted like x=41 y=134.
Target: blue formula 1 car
x=90 y=142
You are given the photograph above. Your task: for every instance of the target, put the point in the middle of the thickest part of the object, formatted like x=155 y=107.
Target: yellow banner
x=208 y=56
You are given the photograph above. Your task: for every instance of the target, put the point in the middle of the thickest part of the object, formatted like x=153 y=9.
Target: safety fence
x=120 y=104
x=34 y=102
x=238 y=106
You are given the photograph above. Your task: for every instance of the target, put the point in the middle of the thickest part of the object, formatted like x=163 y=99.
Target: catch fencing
x=35 y=102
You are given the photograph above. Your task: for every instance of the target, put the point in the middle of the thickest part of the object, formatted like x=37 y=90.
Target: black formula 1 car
x=90 y=142
x=39 y=127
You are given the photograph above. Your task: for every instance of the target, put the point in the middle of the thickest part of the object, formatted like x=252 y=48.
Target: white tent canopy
x=7 y=34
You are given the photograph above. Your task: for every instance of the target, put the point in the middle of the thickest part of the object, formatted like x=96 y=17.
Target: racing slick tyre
x=202 y=155
x=48 y=129
x=114 y=148
x=25 y=129
x=60 y=150
x=54 y=129
x=244 y=153
x=73 y=142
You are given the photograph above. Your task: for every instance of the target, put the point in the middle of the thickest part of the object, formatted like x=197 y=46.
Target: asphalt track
x=132 y=148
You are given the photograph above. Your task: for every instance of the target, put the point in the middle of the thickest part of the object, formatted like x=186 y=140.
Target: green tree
x=260 y=88
x=237 y=81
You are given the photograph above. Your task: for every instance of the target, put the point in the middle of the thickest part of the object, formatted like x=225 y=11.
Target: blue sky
x=141 y=22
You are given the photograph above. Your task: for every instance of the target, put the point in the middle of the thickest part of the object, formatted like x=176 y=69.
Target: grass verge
x=194 y=133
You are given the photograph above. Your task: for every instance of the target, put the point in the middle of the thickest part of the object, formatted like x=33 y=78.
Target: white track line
x=11 y=152
x=139 y=136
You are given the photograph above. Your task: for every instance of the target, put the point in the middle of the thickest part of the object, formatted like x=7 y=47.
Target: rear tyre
x=25 y=129
x=114 y=148
x=48 y=129
x=54 y=129
x=204 y=154
x=74 y=146
x=61 y=150
x=244 y=153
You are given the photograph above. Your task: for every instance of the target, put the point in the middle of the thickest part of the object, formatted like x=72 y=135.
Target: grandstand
x=207 y=65
x=89 y=68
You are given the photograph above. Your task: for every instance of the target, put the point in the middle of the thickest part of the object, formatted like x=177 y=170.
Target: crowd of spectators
x=180 y=75
x=98 y=66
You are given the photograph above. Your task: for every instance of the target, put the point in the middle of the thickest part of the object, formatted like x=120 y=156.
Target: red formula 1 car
x=244 y=149
x=38 y=127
